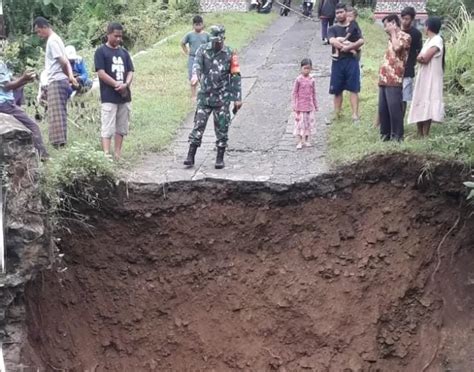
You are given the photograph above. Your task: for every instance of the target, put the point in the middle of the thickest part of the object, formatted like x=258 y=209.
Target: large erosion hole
x=354 y=281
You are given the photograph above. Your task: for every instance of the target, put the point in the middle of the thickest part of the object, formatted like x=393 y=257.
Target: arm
x=335 y=41
x=352 y=46
x=107 y=79
x=185 y=49
x=197 y=67
x=419 y=45
x=396 y=43
x=425 y=58
x=24 y=79
x=184 y=44
x=67 y=69
x=236 y=80
x=315 y=101
x=294 y=95
x=123 y=87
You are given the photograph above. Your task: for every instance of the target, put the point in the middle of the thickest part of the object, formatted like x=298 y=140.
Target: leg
x=419 y=129
x=324 y=28
x=338 y=99
x=299 y=145
x=352 y=84
x=118 y=140
x=121 y=127
x=426 y=128
x=337 y=84
x=108 y=127
x=200 y=121
x=57 y=112
x=384 y=116
x=407 y=93
x=330 y=21
x=221 y=128
x=354 y=97
x=221 y=124
x=23 y=118
x=404 y=109
x=394 y=102
x=190 y=75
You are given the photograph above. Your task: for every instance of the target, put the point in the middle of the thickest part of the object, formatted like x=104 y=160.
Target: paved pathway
x=261 y=146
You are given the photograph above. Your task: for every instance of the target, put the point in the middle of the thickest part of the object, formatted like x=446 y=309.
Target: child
x=353 y=32
x=304 y=104
x=190 y=45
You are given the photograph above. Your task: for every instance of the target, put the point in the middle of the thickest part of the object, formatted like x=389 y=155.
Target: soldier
x=217 y=69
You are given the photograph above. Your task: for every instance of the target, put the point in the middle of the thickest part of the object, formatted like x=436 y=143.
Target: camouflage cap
x=217 y=31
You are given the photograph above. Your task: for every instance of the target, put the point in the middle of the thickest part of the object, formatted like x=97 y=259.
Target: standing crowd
x=215 y=80
x=398 y=85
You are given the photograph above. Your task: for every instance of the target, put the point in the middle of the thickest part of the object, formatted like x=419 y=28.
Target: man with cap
x=78 y=66
x=217 y=69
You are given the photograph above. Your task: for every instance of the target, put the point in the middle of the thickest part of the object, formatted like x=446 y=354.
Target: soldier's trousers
x=221 y=124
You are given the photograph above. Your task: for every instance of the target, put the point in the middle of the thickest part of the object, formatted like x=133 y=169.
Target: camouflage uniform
x=220 y=85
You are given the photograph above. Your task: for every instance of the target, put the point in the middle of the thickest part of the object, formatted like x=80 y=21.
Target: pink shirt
x=304 y=94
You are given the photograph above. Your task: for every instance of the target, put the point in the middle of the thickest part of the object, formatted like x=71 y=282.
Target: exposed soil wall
x=365 y=269
x=28 y=245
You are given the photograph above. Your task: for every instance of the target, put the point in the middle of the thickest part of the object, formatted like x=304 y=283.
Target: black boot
x=220 y=158
x=191 y=154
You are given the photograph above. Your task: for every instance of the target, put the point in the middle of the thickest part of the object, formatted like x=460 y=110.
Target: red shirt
x=304 y=94
x=393 y=66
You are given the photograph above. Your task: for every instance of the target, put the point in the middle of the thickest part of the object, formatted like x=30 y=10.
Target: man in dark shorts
x=345 y=71
x=408 y=18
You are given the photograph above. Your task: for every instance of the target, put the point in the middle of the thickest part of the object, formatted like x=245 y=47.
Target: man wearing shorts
x=408 y=18
x=115 y=70
x=345 y=70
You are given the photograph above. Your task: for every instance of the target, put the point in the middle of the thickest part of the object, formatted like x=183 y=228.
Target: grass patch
x=348 y=143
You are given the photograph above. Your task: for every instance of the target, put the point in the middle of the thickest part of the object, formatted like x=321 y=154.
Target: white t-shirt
x=54 y=50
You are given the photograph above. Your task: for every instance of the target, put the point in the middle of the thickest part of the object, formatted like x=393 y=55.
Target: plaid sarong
x=57 y=111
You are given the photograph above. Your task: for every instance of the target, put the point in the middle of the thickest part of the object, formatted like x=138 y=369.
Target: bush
x=460 y=53
x=443 y=8
x=73 y=175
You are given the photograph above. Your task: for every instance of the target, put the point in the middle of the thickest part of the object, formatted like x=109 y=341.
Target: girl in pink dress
x=304 y=104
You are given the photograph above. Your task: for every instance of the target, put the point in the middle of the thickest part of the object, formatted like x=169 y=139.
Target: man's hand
x=73 y=81
x=121 y=87
x=194 y=80
x=28 y=76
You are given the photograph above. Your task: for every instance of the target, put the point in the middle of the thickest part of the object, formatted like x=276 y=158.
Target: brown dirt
x=250 y=283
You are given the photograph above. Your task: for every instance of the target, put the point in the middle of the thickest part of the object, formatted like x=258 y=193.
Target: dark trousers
x=325 y=24
x=391 y=113
x=20 y=115
x=307 y=9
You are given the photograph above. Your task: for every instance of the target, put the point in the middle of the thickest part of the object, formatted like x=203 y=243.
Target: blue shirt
x=5 y=77
x=79 y=69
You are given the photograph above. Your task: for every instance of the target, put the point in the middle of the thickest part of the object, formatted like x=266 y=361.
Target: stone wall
x=28 y=242
x=385 y=7
x=224 y=5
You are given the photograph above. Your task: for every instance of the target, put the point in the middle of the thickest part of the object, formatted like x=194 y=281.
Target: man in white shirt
x=59 y=72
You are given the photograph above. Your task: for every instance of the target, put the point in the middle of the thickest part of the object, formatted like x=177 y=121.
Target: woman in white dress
x=427 y=105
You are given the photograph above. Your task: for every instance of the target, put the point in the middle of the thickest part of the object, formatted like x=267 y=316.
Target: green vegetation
x=453 y=139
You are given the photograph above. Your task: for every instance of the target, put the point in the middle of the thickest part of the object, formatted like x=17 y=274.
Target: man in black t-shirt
x=345 y=70
x=115 y=70
x=408 y=17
